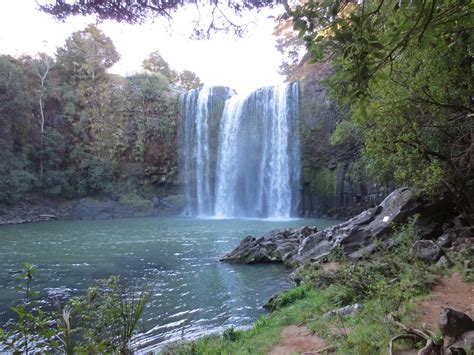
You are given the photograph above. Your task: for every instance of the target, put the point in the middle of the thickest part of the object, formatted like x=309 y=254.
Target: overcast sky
x=241 y=63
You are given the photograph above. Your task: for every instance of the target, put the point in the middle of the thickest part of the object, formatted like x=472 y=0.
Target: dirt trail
x=296 y=340
x=450 y=292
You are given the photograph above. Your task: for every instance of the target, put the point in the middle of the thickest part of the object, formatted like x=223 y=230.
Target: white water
x=257 y=167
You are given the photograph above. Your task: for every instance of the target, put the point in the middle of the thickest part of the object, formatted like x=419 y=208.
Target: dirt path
x=295 y=340
x=451 y=292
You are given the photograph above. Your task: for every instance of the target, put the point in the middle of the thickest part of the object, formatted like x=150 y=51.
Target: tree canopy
x=220 y=12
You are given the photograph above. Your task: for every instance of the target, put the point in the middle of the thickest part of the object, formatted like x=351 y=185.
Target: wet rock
x=296 y=246
x=344 y=311
x=453 y=323
x=427 y=250
x=361 y=231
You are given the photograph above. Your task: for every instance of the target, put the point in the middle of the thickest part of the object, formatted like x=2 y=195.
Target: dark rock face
x=329 y=186
x=296 y=246
x=31 y=212
x=88 y=208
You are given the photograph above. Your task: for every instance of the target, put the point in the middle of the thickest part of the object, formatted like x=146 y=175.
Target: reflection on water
x=193 y=293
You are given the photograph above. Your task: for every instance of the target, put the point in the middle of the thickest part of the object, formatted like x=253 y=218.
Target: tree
x=83 y=63
x=155 y=63
x=219 y=12
x=42 y=65
x=16 y=106
x=289 y=44
x=188 y=80
x=87 y=53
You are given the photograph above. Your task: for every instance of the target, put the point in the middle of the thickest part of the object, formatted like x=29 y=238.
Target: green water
x=194 y=293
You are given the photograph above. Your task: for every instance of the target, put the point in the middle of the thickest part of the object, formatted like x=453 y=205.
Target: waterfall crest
x=255 y=169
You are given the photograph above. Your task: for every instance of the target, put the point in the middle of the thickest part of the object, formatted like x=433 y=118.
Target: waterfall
x=198 y=108
x=256 y=163
x=258 y=160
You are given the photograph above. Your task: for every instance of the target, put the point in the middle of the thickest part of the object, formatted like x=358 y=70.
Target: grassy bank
x=391 y=283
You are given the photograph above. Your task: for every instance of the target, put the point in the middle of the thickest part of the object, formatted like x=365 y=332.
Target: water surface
x=193 y=292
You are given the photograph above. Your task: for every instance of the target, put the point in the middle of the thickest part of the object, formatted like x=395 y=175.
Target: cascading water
x=256 y=163
x=258 y=160
x=198 y=108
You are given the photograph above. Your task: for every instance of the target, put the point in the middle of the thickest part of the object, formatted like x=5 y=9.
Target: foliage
x=323 y=181
x=155 y=63
x=218 y=14
x=87 y=53
x=108 y=316
x=404 y=72
x=287 y=298
x=88 y=174
x=69 y=128
x=103 y=321
x=184 y=80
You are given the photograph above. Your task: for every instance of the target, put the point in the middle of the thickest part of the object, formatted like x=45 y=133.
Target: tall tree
x=42 y=65
x=83 y=62
x=88 y=53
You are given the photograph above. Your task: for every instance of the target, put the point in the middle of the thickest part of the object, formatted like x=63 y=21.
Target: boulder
x=453 y=323
x=427 y=250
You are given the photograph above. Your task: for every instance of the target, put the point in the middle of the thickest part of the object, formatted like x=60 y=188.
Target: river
x=193 y=292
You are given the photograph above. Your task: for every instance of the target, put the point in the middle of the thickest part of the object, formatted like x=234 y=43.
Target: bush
x=103 y=321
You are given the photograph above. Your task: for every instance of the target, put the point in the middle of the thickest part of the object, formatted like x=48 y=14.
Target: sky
x=243 y=64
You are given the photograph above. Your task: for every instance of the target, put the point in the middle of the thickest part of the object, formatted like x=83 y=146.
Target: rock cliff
x=329 y=185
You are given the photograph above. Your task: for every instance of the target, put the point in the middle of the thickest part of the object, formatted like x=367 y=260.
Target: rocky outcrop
x=31 y=212
x=276 y=246
x=356 y=236
x=42 y=210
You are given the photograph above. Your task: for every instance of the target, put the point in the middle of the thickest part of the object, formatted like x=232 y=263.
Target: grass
x=392 y=283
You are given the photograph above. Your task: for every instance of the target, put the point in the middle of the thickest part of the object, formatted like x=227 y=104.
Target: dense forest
x=69 y=128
